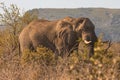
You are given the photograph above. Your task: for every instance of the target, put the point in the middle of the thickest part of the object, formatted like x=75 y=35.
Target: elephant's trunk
x=91 y=49
x=86 y=49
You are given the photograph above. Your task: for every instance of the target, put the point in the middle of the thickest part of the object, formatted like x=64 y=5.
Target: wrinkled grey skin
x=55 y=35
x=60 y=36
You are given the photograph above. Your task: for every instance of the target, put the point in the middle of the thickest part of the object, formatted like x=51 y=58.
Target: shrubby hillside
x=107 y=21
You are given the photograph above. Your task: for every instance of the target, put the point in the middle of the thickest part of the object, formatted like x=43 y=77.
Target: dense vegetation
x=43 y=65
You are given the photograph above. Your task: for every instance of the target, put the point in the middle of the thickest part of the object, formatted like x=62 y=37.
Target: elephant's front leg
x=87 y=49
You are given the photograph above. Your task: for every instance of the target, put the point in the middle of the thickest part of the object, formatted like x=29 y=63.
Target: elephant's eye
x=87 y=29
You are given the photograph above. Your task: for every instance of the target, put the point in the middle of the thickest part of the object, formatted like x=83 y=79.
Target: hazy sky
x=30 y=4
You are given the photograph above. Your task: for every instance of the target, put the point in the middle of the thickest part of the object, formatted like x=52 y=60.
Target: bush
x=42 y=55
x=13 y=23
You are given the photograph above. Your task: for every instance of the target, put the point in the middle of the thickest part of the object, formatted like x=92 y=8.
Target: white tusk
x=87 y=42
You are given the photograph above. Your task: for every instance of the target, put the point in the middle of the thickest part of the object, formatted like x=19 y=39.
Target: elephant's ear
x=62 y=24
x=63 y=30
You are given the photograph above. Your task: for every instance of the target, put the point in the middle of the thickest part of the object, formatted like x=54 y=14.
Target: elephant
x=58 y=35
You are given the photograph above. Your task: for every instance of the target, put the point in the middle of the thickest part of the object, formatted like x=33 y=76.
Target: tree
x=10 y=18
x=14 y=22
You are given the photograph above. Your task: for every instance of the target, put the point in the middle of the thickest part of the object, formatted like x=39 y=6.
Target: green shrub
x=41 y=55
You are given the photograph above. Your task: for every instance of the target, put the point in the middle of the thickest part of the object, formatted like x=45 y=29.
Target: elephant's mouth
x=87 y=42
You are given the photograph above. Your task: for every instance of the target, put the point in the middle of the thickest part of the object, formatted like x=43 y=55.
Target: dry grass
x=42 y=65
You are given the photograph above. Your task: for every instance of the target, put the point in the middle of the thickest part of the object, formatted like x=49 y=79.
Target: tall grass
x=43 y=65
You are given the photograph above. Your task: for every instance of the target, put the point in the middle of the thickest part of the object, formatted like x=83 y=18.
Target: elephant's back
x=42 y=24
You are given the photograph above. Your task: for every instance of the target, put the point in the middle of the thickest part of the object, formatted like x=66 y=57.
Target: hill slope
x=107 y=21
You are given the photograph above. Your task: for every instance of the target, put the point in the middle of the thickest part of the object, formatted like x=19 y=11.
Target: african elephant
x=60 y=35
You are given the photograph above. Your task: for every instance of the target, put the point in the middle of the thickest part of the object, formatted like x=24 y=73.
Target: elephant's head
x=86 y=30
